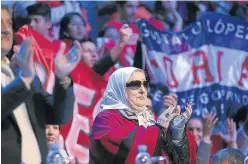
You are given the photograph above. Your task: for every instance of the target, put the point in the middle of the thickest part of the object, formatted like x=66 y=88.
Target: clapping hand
x=64 y=64
x=13 y=60
x=126 y=32
x=170 y=99
x=165 y=118
x=187 y=114
x=25 y=61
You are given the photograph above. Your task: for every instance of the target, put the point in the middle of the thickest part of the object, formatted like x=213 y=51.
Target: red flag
x=44 y=52
x=88 y=90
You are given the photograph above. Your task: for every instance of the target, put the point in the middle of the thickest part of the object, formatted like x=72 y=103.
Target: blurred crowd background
x=98 y=13
x=93 y=21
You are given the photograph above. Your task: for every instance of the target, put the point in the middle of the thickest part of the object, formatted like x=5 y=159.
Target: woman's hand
x=187 y=114
x=165 y=118
x=231 y=137
x=170 y=99
x=210 y=120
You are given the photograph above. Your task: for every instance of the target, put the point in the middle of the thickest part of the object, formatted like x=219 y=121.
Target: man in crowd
x=44 y=15
x=127 y=10
x=39 y=15
x=90 y=55
x=26 y=107
x=89 y=52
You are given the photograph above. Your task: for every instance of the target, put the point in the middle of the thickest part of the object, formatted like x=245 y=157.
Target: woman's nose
x=93 y=54
x=142 y=89
x=194 y=133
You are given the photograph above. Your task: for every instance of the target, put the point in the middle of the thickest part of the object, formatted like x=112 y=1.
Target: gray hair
x=230 y=155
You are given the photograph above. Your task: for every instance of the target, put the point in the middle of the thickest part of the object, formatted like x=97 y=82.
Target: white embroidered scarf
x=115 y=97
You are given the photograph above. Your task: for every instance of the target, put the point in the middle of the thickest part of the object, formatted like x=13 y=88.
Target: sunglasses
x=135 y=85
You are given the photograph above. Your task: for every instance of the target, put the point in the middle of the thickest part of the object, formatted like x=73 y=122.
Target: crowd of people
x=32 y=115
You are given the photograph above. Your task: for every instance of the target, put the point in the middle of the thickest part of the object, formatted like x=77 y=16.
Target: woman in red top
x=126 y=123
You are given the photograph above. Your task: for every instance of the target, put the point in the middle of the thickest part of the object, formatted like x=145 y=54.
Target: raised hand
x=16 y=49
x=170 y=99
x=231 y=137
x=181 y=119
x=126 y=33
x=210 y=120
x=187 y=114
x=24 y=59
x=65 y=63
x=165 y=118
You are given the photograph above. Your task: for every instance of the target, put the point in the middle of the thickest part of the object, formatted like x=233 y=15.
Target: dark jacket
x=42 y=109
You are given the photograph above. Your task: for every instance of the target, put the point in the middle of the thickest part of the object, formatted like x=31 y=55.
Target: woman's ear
x=49 y=24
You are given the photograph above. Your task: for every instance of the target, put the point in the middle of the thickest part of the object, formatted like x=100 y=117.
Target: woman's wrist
x=206 y=139
x=233 y=145
x=177 y=133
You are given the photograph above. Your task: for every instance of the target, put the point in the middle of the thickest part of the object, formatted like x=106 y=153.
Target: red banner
x=88 y=89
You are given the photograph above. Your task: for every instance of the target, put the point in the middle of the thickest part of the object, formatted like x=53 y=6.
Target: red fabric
x=111 y=128
x=84 y=75
x=109 y=45
x=192 y=147
x=217 y=144
x=143 y=136
x=143 y=13
x=78 y=143
x=43 y=49
x=157 y=24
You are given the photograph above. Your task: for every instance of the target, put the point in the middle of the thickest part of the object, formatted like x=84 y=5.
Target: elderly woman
x=125 y=123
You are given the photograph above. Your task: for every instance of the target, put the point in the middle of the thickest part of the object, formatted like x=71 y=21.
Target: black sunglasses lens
x=135 y=85
x=146 y=84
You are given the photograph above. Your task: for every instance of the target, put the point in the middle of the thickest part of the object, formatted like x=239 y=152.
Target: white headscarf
x=115 y=96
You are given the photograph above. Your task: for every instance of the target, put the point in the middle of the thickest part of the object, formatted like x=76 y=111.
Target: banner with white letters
x=206 y=63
